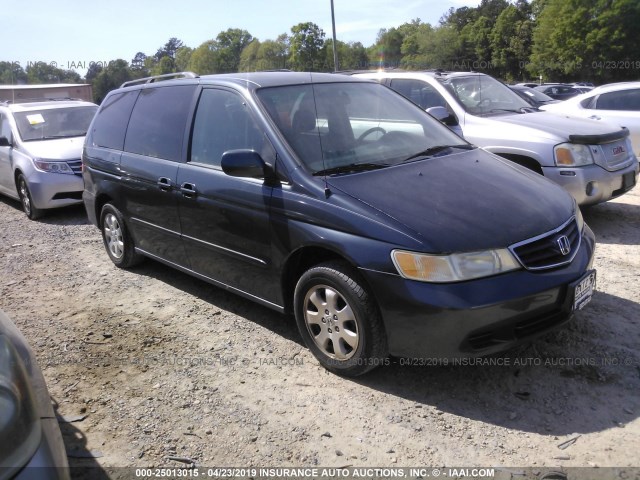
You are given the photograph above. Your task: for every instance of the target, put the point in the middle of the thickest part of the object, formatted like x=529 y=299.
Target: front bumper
x=592 y=184
x=52 y=190
x=479 y=317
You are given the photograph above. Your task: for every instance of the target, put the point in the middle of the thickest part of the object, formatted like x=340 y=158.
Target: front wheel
x=117 y=239
x=339 y=320
x=25 y=198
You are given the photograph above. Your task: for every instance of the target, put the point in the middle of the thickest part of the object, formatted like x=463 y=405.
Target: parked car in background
x=617 y=103
x=558 y=91
x=31 y=444
x=593 y=162
x=339 y=200
x=40 y=148
x=532 y=96
x=528 y=84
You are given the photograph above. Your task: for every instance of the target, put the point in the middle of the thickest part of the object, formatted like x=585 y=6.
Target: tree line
x=552 y=40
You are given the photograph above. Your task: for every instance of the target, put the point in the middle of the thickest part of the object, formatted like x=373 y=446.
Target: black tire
x=348 y=337
x=24 y=193
x=116 y=238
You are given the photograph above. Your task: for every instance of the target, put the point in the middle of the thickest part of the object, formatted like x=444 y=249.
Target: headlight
x=53 y=166
x=572 y=155
x=456 y=267
x=20 y=429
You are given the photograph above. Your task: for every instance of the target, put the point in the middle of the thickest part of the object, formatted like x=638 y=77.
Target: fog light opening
x=592 y=189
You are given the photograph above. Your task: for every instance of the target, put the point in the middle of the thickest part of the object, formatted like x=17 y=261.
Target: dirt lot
x=163 y=365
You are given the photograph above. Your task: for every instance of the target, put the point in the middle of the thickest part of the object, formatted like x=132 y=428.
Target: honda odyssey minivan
x=40 y=147
x=342 y=202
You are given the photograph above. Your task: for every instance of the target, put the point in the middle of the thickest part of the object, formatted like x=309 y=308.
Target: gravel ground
x=153 y=365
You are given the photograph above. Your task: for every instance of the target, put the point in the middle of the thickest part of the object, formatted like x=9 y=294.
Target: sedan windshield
x=340 y=128
x=483 y=95
x=54 y=123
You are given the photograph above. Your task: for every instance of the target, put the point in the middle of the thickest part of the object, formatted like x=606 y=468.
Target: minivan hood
x=560 y=125
x=462 y=202
x=55 y=149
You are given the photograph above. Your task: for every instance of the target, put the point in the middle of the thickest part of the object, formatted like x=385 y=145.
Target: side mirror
x=243 y=163
x=442 y=114
x=4 y=142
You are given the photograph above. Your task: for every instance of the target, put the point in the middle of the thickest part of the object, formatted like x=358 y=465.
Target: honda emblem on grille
x=564 y=244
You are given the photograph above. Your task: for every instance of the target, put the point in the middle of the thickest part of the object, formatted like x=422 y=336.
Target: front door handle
x=188 y=190
x=164 y=184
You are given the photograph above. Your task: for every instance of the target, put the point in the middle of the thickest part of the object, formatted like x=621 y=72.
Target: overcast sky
x=68 y=32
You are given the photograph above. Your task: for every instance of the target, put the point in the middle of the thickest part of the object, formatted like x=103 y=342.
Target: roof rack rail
x=39 y=99
x=155 y=78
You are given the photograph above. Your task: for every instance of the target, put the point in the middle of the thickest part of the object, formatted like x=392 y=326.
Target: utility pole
x=335 y=47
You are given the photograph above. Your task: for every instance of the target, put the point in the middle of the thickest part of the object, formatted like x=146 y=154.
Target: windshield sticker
x=35 y=119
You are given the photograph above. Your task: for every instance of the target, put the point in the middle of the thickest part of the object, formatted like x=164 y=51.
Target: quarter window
x=110 y=124
x=157 y=124
x=623 y=100
x=419 y=92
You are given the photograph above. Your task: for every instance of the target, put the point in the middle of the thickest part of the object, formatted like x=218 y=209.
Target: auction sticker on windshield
x=584 y=290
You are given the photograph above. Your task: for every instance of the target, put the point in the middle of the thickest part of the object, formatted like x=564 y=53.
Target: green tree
x=273 y=54
x=183 y=55
x=169 y=49
x=387 y=50
x=12 y=73
x=305 y=48
x=511 y=40
x=229 y=45
x=41 y=72
x=204 y=59
x=111 y=77
x=249 y=56
x=586 y=40
x=92 y=72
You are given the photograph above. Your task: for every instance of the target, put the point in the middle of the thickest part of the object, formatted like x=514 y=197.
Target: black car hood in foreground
x=463 y=202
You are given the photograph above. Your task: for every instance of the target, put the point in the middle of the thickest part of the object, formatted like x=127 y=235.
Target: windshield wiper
x=437 y=149
x=522 y=110
x=52 y=137
x=351 y=168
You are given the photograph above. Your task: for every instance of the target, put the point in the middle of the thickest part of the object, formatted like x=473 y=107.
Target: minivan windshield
x=484 y=95
x=54 y=122
x=339 y=128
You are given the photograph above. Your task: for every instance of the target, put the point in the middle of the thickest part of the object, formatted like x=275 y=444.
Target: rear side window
x=419 y=92
x=157 y=124
x=624 y=100
x=111 y=121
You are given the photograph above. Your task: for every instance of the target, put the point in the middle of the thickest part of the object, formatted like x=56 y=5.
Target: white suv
x=40 y=150
x=594 y=161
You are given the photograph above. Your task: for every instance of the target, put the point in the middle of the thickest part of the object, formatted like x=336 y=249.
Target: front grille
x=76 y=166
x=616 y=155
x=552 y=249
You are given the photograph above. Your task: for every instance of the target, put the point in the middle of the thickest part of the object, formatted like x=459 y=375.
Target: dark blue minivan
x=340 y=201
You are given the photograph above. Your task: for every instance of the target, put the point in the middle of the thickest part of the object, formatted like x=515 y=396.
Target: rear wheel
x=25 y=198
x=117 y=239
x=339 y=320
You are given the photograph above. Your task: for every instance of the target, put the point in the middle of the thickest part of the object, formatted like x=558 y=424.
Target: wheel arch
x=524 y=161
x=302 y=260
